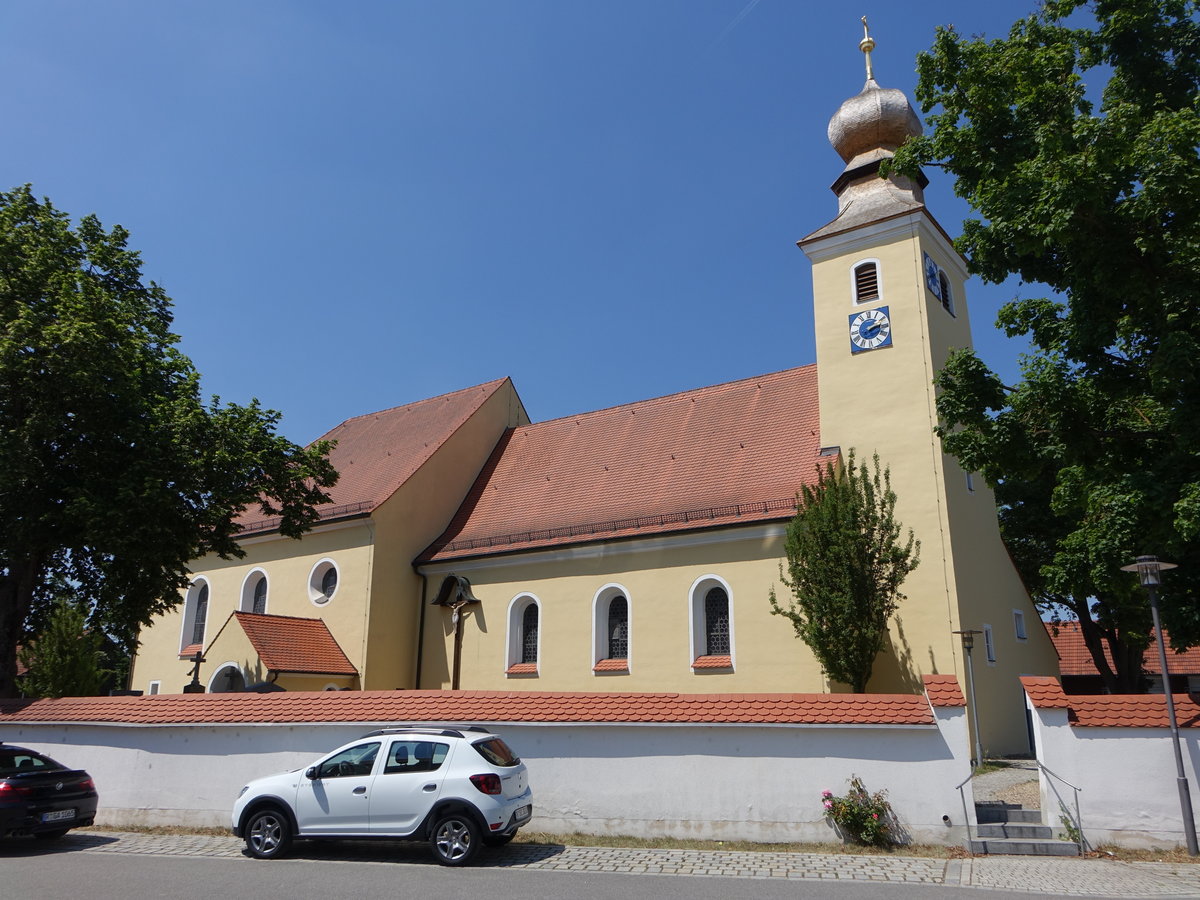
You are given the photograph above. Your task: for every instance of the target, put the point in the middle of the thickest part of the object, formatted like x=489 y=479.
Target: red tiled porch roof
x=728 y=454
x=369 y=707
x=291 y=644
x=1112 y=710
x=376 y=453
x=1075 y=658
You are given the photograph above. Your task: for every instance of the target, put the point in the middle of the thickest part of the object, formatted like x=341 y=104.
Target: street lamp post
x=1149 y=569
x=968 y=642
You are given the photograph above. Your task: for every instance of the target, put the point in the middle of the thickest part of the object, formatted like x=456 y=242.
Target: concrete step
x=1019 y=847
x=1023 y=832
x=991 y=811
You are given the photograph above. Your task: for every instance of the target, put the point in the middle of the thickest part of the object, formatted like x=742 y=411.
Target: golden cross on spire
x=866 y=45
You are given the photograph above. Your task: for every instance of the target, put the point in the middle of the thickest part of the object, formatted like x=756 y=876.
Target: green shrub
x=860 y=816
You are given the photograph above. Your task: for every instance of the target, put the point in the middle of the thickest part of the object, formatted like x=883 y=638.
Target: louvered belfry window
x=944 y=288
x=716 y=622
x=866 y=282
x=201 y=615
x=618 y=628
x=529 y=634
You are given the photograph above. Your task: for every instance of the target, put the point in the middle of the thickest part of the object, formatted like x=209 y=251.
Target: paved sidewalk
x=1069 y=877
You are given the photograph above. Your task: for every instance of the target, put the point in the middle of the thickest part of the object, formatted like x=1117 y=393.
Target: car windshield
x=17 y=762
x=496 y=752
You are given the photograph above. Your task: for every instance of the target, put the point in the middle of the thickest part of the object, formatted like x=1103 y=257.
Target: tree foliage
x=113 y=472
x=845 y=564
x=65 y=659
x=1075 y=139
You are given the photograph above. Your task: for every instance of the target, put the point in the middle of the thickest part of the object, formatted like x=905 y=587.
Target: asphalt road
x=98 y=876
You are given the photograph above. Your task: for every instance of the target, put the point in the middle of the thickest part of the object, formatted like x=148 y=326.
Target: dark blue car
x=42 y=797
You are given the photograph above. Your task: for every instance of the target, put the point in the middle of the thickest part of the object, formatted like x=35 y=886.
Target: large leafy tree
x=65 y=659
x=113 y=472
x=846 y=560
x=1075 y=139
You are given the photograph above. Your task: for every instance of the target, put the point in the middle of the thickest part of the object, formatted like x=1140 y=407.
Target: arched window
x=866 y=281
x=716 y=622
x=529 y=634
x=524 y=615
x=329 y=583
x=201 y=614
x=260 y=595
x=712 y=624
x=618 y=628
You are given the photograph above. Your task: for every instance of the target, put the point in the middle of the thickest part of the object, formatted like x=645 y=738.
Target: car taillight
x=87 y=785
x=10 y=790
x=488 y=784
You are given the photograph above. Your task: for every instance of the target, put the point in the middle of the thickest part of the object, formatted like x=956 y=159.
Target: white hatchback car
x=456 y=787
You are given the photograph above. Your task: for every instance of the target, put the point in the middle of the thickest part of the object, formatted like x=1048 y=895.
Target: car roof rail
x=446 y=730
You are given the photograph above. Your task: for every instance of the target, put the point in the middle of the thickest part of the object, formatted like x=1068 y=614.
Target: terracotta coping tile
x=713 y=662
x=522 y=669
x=611 y=665
x=943 y=690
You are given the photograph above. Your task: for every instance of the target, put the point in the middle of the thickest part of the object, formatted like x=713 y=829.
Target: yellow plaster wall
x=657 y=583
x=288 y=565
x=414 y=517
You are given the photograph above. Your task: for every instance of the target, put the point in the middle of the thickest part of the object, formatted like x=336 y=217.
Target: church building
x=633 y=549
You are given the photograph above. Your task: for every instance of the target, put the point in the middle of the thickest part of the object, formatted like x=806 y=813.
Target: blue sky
x=360 y=204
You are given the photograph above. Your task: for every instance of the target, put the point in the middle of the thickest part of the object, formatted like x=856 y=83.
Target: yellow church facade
x=633 y=549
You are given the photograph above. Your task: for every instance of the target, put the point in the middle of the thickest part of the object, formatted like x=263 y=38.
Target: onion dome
x=877 y=119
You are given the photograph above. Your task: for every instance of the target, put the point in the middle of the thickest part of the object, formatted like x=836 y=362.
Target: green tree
x=1075 y=140
x=845 y=564
x=65 y=659
x=113 y=472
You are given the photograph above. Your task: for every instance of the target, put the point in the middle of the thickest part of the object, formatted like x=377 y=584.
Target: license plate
x=58 y=815
x=522 y=813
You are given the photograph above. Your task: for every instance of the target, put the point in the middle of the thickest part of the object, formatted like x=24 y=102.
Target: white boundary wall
x=722 y=782
x=1128 y=786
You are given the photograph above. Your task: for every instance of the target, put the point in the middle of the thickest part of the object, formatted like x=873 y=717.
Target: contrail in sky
x=737 y=20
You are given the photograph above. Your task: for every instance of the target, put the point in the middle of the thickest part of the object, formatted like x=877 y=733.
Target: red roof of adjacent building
x=1112 y=710
x=728 y=454
x=477 y=706
x=378 y=452
x=292 y=644
x=1075 y=658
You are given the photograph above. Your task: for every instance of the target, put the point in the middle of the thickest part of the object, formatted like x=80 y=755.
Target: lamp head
x=1149 y=570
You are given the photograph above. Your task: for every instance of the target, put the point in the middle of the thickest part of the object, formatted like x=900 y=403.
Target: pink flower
x=829 y=804
x=874 y=815
x=826 y=794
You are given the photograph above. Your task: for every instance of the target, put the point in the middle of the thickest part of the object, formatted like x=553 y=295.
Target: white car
x=456 y=787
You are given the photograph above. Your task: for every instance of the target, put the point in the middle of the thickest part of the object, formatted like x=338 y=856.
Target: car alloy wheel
x=455 y=839
x=268 y=834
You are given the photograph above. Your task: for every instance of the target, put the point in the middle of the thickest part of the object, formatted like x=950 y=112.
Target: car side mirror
x=312 y=774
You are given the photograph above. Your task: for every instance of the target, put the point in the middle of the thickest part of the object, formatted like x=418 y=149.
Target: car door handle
x=360 y=790
x=429 y=787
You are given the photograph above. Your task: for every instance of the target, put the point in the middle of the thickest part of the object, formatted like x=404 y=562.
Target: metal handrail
x=966 y=818
x=1082 y=843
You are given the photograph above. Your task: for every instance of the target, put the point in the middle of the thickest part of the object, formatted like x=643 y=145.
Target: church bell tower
x=890 y=305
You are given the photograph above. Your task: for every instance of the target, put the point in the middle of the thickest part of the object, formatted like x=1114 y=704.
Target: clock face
x=931 y=276
x=870 y=330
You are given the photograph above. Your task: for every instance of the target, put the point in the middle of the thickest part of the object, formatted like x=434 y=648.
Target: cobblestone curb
x=1068 y=877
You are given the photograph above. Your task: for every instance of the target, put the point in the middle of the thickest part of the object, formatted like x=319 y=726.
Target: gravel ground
x=1016 y=783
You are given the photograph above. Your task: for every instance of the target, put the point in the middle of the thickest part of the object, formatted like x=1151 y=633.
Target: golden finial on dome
x=866 y=45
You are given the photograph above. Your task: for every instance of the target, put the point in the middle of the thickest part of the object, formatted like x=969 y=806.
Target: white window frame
x=878 y=282
x=515 y=637
x=600 y=604
x=154 y=688
x=696 y=617
x=218 y=672
x=189 y=611
x=248 y=584
x=1019 y=628
x=315 y=595
x=989 y=645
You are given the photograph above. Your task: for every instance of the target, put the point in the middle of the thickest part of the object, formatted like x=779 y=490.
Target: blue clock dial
x=870 y=330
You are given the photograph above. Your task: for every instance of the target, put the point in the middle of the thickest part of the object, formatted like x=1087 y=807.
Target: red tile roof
x=377 y=453
x=1112 y=710
x=611 y=665
x=477 y=706
x=291 y=644
x=727 y=454
x=943 y=690
x=1075 y=658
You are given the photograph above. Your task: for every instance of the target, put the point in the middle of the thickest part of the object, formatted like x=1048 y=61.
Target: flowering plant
x=866 y=818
